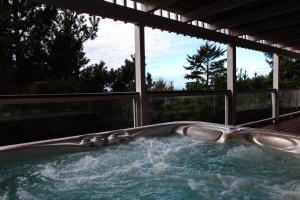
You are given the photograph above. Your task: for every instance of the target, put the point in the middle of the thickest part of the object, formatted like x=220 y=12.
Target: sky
x=165 y=52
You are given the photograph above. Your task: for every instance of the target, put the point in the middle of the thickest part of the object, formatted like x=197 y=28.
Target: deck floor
x=290 y=125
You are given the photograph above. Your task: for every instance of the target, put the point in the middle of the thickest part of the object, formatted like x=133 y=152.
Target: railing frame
x=187 y=93
x=84 y=97
x=71 y=98
x=228 y=101
x=256 y=91
x=64 y=98
x=282 y=116
x=226 y=93
x=274 y=97
x=276 y=116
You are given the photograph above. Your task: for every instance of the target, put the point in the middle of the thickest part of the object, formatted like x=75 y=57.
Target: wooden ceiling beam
x=271 y=24
x=281 y=32
x=294 y=45
x=283 y=7
x=122 y=13
x=157 y=4
x=209 y=10
x=291 y=41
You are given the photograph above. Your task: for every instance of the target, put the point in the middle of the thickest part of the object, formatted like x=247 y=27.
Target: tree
x=242 y=80
x=161 y=85
x=260 y=82
x=94 y=78
x=123 y=78
x=40 y=43
x=149 y=82
x=205 y=65
x=289 y=71
x=66 y=56
x=24 y=32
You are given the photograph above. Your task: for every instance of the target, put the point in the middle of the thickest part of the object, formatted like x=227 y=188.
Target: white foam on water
x=24 y=195
x=287 y=191
x=243 y=152
x=84 y=170
x=147 y=163
x=204 y=190
x=196 y=185
x=4 y=196
x=86 y=163
x=157 y=155
x=234 y=183
x=228 y=186
x=48 y=171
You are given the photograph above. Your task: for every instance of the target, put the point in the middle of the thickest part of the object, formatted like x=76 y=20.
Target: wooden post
x=230 y=100
x=276 y=78
x=140 y=80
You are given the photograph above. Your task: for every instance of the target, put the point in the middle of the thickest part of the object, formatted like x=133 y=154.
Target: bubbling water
x=157 y=168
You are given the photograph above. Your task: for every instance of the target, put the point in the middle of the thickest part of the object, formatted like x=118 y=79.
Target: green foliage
x=123 y=78
x=44 y=87
x=94 y=78
x=65 y=47
x=289 y=71
x=242 y=80
x=161 y=85
x=219 y=81
x=260 y=82
x=194 y=86
x=210 y=108
x=40 y=44
x=149 y=81
x=205 y=67
x=24 y=34
x=256 y=82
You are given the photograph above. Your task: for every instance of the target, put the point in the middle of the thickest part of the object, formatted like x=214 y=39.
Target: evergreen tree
x=66 y=56
x=24 y=33
x=40 y=43
x=205 y=65
x=242 y=80
x=123 y=78
x=289 y=71
x=149 y=81
x=161 y=85
x=95 y=78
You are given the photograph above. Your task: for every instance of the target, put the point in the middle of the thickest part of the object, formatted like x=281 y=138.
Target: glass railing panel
x=253 y=107
x=289 y=101
x=31 y=122
x=187 y=108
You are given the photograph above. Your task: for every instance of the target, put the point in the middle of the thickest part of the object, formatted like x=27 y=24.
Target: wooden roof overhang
x=262 y=25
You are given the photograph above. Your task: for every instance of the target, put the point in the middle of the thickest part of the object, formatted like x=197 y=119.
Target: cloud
x=115 y=43
x=252 y=61
x=165 y=52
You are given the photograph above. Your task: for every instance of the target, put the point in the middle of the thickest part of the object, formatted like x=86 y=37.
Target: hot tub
x=155 y=162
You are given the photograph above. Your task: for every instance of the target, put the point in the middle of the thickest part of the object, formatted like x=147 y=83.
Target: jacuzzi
x=198 y=130
x=178 y=160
